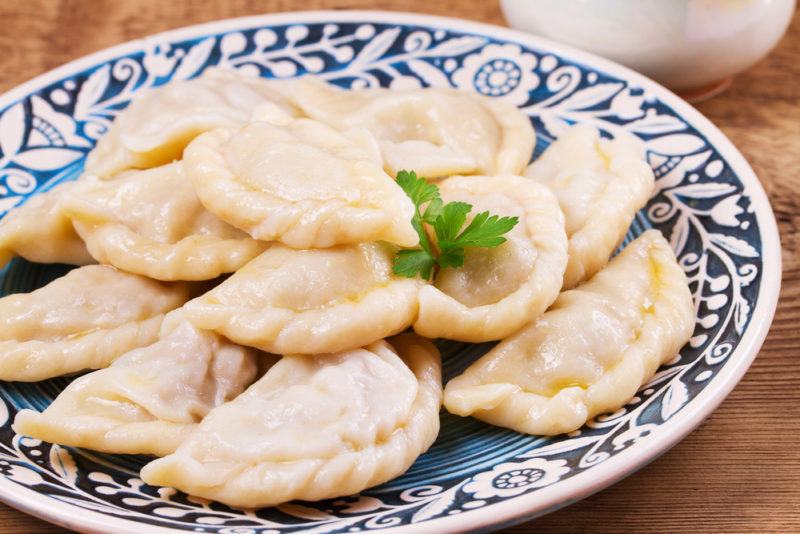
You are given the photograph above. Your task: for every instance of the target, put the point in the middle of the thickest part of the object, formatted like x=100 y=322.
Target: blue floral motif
x=701 y=205
x=500 y=71
x=511 y=479
x=498 y=77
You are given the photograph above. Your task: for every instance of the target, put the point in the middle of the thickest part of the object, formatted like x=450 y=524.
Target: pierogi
x=589 y=353
x=289 y=301
x=288 y=188
x=83 y=320
x=314 y=427
x=299 y=182
x=151 y=222
x=39 y=231
x=600 y=185
x=160 y=122
x=500 y=289
x=151 y=398
x=435 y=132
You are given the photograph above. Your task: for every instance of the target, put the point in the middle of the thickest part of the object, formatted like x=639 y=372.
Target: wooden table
x=740 y=471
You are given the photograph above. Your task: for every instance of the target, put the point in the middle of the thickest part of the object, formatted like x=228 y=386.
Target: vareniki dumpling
x=152 y=223
x=435 y=132
x=589 y=353
x=83 y=320
x=300 y=182
x=314 y=427
x=151 y=398
x=600 y=185
x=499 y=289
x=160 y=122
x=39 y=231
x=289 y=301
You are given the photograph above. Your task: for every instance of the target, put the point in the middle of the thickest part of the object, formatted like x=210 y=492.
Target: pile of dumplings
x=236 y=303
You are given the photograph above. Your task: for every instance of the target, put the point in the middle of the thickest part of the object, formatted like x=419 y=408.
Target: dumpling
x=435 y=132
x=300 y=182
x=314 y=427
x=151 y=398
x=152 y=223
x=600 y=185
x=83 y=320
x=589 y=353
x=159 y=123
x=500 y=289
x=289 y=301
x=39 y=231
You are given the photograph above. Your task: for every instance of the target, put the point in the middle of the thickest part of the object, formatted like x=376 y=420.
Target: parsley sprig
x=484 y=231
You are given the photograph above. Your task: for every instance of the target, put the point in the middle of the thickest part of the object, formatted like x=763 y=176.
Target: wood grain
x=739 y=472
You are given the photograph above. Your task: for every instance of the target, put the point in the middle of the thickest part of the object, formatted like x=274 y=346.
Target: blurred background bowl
x=691 y=46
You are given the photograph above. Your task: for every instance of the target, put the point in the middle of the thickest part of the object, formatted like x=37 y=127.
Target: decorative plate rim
x=517 y=509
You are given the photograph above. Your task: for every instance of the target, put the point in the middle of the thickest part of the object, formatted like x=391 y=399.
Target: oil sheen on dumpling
x=500 y=289
x=83 y=320
x=39 y=231
x=151 y=398
x=435 y=132
x=152 y=223
x=589 y=353
x=160 y=122
x=289 y=301
x=314 y=427
x=300 y=182
x=600 y=185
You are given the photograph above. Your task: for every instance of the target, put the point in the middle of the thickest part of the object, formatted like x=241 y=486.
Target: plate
x=708 y=203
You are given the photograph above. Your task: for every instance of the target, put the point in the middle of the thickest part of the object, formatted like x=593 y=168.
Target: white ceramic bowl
x=684 y=44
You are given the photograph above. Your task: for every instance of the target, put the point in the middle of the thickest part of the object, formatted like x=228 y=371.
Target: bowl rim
x=521 y=508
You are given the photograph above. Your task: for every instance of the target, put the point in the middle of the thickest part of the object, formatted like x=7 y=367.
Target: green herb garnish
x=484 y=231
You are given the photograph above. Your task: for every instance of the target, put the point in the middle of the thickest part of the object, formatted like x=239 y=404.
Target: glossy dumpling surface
x=300 y=182
x=589 y=353
x=39 y=231
x=151 y=398
x=500 y=289
x=600 y=185
x=83 y=320
x=159 y=123
x=289 y=301
x=314 y=427
x=435 y=132
x=151 y=222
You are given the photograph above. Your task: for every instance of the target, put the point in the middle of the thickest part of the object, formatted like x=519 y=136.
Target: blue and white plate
x=709 y=204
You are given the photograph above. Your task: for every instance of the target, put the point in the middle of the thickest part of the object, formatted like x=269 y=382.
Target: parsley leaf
x=484 y=231
x=452 y=257
x=417 y=189
x=450 y=220
x=433 y=210
x=410 y=263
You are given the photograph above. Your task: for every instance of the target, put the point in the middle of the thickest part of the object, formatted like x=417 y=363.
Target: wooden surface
x=740 y=471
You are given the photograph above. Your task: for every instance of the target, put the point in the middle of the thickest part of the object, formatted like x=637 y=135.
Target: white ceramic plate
x=709 y=203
